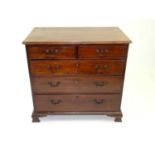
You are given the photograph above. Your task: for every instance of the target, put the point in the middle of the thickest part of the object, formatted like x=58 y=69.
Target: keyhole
x=76 y=97
x=76 y=81
x=77 y=65
x=57 y=67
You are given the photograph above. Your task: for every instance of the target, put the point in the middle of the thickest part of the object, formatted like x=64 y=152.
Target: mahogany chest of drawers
x=77 y=70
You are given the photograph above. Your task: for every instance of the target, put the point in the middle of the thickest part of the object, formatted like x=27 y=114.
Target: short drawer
x=77 y=103
x=103 y=51
x=51 y=52
x=65 y=67
x=83 y=84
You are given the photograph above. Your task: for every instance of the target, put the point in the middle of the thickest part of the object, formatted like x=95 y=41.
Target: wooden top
x=76 y=35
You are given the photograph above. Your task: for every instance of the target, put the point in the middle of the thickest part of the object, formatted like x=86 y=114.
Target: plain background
x=78 y=135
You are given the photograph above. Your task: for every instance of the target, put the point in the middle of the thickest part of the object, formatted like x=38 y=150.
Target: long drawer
x=61 y=67
x=77 y=84
x=77 y=103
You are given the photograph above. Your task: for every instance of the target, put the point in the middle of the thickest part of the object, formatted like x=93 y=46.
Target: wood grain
x=76 y=35
x=77 y=103
x=51 y=52
x=78 y=70
x=78 y=84
x=73 y=67
x=113 y=51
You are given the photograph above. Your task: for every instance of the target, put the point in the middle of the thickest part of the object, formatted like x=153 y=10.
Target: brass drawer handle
x=97 y=67
x=47 y=51
x=52 y=51
x=99 y=84
x=57 y=67
x=102 y=51
x=104 y=67
x=99 y=101
x=77 y=65
x=54 y=84
x=49 y=67
x=55 y=102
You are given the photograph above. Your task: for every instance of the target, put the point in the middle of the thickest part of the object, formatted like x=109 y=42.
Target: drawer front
x=47 y=67
x=103 y=51
x=105 y=67
x=51 y=52
x=92 y=84
x=77 y=103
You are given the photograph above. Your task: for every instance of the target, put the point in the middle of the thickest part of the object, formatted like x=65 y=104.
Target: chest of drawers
x=77 y=70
